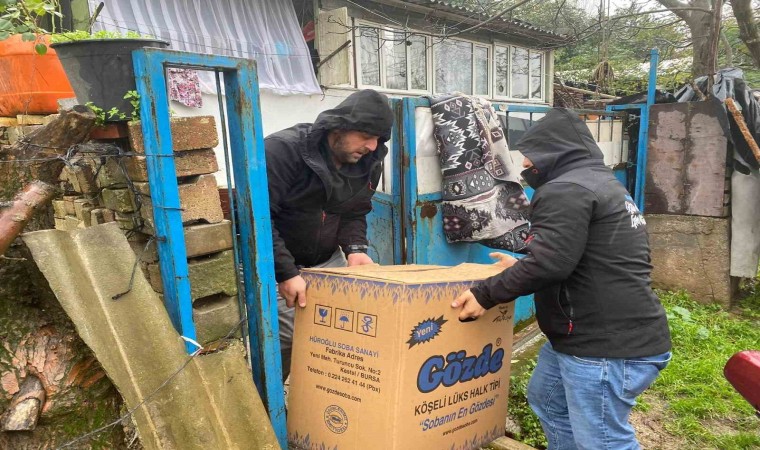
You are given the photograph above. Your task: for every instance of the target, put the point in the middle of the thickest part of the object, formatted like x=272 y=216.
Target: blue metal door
x=423 y=221
x=384 y=222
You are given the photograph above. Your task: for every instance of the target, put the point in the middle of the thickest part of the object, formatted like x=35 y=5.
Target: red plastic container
x=743 y=372
x=30 y=83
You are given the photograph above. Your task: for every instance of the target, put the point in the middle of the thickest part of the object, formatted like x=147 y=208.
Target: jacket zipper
x=569 y=318
x=319 y=236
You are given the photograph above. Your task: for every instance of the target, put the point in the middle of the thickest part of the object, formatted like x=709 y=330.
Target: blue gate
x=251 y=224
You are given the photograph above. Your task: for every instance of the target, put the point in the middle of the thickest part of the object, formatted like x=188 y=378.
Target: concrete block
x=187 y=164
x=120 y=200
x=14 y=134
x=199 y=200
x=209 y=275
x=68 y=223
x=147 y=253
x=83 y=208
x=691 y=253
x=129 y=221
x=188 y=133
x=47 y=119
x=79 y=178
x=68 y=202
x=215 y=317
x=59 y=209
x=28 y=119
x=204 y=239
x=100 y=216
x=111 y=174
x=200 y=239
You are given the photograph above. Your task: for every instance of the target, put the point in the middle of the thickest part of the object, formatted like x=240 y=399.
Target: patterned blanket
x=483 y=200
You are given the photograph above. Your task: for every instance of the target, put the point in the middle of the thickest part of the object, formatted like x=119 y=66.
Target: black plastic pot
x=100 y=70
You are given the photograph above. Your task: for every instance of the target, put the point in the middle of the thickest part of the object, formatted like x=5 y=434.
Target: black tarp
x=729 y=83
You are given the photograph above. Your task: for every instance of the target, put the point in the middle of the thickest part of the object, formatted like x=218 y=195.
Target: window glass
x=370 y=60
x=453 y=67
x=535 y=75
x=519 y=72
x=481 y=71
x=394 y=47
x=501 y=71
x=418 y=62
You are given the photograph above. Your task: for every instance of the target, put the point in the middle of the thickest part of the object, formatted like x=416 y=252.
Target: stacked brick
x=116 y=189
x=12 y=129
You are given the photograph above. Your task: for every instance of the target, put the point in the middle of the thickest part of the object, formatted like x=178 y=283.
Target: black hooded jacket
x=307 y=224
x=588 y=252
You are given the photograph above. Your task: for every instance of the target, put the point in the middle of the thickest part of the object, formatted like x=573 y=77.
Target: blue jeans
x=584 y=403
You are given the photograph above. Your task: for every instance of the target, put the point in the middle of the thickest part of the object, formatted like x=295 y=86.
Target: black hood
x=366 y=111
x=556 y=144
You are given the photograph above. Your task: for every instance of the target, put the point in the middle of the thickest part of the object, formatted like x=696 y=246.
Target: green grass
x=704 y=407
x=700 y=405
x=519 y=410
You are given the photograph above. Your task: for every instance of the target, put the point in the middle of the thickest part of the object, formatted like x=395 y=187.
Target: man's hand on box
x=471 y=309
x=503 y=260
x=294 y=290
x=359 y=259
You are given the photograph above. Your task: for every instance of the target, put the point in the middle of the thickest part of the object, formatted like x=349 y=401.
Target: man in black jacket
x=321 y=180
x=588 y=264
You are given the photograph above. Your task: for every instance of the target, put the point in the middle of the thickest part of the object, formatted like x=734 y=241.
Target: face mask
x=532 y=176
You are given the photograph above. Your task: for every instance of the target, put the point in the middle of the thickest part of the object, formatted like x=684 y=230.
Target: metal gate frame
x=254 y=232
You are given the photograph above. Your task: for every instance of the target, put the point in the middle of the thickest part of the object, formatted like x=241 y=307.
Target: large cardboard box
x=381 y=361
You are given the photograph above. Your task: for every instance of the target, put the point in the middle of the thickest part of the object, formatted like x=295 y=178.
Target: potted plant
x=99 y=66
x=31 y=77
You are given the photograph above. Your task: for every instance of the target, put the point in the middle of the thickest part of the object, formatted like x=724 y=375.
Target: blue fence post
x=164 y=192
x=641 y=153
x=409 y=178
x=252 y=196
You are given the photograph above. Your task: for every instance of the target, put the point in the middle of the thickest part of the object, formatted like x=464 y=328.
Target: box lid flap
x=416 y=273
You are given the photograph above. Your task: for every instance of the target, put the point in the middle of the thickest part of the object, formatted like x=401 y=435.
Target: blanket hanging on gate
x=483 y=200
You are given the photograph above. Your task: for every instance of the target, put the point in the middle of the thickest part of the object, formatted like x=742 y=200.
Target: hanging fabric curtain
x=264 y=30
x=483 y=200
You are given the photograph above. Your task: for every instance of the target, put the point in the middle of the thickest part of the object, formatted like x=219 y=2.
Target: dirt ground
x=650 y=427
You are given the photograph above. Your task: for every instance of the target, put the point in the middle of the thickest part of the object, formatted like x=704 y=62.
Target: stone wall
x=116 y=188
x=691 y=253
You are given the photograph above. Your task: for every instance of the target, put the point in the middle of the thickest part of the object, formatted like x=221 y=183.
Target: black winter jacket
x=588 y=253
x=307 y=227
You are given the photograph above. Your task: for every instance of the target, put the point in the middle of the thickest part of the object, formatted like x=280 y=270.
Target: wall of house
x=278 y=112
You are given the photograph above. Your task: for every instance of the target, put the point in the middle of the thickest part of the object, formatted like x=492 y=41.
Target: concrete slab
x=691 y=253
x=210 y=404
x=188 y=133
x=210 y=275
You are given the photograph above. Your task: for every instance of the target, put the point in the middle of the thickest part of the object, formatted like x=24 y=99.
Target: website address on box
x=339 y=393
x=455 y=429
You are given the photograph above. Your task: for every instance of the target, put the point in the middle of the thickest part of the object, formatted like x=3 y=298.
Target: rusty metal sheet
x=688 y=152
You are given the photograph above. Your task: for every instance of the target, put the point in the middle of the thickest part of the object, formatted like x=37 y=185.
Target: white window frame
x=489 y=81
x=430 y=54
x=383 y=82
x=509 y=96
x=489 y=66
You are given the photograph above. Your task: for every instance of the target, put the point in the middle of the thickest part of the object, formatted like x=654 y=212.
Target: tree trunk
x=748 y=31
x=15 y=217
x=702 y=43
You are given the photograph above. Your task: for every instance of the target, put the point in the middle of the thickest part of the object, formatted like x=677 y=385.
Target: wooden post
x=739 y=119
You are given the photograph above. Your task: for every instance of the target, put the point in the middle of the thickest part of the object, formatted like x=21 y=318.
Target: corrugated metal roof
x=513 y=24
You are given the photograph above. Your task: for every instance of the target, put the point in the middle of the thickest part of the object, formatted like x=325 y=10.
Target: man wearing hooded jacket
x=588 y=264
x=321 y=180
